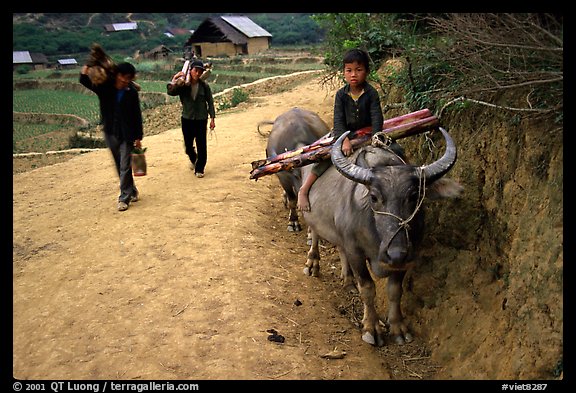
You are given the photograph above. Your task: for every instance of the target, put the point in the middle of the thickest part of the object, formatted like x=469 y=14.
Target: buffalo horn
x=346 y=167
x=440 y=167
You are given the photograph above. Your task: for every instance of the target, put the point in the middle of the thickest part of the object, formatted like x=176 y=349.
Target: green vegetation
x=238 y=96
x=85 y=141
x=27 y=137
x=70 y=34
x=59 y=92
x=454 y=60
x=23 y=131
x=460 y=58
x=56 y=101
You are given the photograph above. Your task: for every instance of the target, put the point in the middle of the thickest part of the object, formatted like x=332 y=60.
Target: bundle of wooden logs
x=101 y=67
x=184 y=79
x=395 y=128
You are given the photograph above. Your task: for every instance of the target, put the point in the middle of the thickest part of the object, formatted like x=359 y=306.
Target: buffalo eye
x=413 y=197
x=373 y=198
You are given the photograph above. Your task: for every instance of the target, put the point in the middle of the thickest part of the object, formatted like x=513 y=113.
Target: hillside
x=69 y=34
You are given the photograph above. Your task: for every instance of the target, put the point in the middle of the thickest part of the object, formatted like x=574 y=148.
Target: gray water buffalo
x=370 y=206
x=291 y=130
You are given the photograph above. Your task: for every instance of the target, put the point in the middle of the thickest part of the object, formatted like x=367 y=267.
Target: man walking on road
x=122 y=120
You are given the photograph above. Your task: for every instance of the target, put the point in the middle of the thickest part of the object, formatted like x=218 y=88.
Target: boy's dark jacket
x=351 y=116
x=124 y=121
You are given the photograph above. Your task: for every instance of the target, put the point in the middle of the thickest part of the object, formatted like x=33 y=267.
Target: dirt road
x=185 y=284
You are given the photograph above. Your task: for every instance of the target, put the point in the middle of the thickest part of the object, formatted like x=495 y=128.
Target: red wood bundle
x=395 y=128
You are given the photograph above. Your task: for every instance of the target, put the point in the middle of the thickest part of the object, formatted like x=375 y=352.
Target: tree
x=489 y=53
x=460 y=57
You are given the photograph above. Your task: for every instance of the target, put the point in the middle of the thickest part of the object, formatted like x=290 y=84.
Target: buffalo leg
x=372 y=330
x=293 y=223
x=346 y=273
x=398 y=329
x=290 y=199
x=313 y=258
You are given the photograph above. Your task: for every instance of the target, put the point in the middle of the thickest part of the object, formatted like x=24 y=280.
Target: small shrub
x=80 y=141
x=25 y=69
x=239 y=96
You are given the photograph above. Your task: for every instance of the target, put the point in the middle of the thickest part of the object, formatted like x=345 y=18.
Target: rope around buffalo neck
x=383 y=141
x=403 y=224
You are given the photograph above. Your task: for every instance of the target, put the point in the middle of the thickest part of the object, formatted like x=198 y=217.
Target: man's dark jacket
x=123 y=119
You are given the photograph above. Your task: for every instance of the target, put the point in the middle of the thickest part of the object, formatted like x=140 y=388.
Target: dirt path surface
x=185 y=284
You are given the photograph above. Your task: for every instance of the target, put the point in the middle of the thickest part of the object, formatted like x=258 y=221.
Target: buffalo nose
x=396 y=255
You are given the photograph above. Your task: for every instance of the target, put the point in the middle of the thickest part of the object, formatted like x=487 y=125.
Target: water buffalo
x=291 y=130
x=370 y=207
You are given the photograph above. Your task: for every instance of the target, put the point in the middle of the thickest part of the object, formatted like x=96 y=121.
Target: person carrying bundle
x=122 y=120
x=197 y=105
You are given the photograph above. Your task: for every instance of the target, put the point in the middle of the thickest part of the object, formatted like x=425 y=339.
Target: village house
x=66 y=63
x=228 y=36
x=37 y=61
x=121 y=27
x=161 y=52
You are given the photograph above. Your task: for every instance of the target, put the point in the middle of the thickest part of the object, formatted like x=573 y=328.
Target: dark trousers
x=121 y=151
x=195 y=131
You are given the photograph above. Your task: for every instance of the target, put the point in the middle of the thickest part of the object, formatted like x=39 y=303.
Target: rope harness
x=382 y=141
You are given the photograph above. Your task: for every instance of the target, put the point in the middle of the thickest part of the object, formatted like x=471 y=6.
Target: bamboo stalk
x=395 y=128
x=327 y=140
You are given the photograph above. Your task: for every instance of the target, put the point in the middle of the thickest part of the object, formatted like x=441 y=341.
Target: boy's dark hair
x=357 y=55
x=126 y=69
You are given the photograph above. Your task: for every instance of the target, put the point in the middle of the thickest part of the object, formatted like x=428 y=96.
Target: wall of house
x=215 y=49
x=258 y=44
x=34 y=66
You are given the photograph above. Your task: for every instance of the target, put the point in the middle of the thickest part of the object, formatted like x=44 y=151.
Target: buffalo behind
x=291 y=130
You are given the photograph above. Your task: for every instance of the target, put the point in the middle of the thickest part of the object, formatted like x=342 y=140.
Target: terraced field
x=45 y=93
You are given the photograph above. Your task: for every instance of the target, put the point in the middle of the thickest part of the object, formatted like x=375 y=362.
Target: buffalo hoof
x=312 y=271
x=351 y=288
x=401 y=340
x=294 y=227
x=369 y=338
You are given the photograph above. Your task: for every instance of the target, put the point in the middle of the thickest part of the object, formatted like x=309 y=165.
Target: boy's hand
x=346 y=147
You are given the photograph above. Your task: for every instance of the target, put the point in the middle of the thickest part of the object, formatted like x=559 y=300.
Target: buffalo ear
x=444 y=188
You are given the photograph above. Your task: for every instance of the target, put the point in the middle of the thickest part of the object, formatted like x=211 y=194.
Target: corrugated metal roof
x=67 y=61
x=125 y=26
x=21 y=57
x=121 y=26
x=246 y=26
